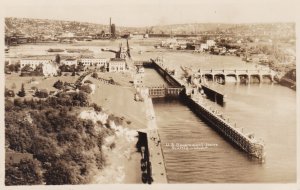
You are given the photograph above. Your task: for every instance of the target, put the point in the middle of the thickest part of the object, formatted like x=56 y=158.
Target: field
x=14 y=82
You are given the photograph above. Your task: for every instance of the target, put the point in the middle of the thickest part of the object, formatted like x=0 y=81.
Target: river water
x=267 y=110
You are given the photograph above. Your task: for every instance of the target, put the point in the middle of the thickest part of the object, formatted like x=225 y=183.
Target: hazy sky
x=154 y=12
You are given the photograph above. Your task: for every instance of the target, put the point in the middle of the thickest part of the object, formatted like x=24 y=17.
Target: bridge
x=240 y=75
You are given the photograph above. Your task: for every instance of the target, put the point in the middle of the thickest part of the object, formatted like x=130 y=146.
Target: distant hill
x=53 y=27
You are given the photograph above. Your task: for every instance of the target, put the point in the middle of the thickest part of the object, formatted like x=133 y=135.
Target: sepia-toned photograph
x=149 y=92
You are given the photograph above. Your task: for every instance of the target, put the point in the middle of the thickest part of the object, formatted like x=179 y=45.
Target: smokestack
x=110 y=24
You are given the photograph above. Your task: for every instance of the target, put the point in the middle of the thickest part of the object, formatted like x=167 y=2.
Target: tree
x=95 y=75
x=11 y=67
x=88 y=82
x=9 y=93
x=22 y=93
x=27 y=172
x=62 y=172
x=57 y=59
x=26 y=68
x=80 y=67
x=41 y=93
x=96 y=107
x=39 y=69
x=58 y=85
x=17 y=67
x=86 y=88
x=102 y=68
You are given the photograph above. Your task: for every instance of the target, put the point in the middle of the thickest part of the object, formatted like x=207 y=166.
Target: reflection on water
x=267 y=110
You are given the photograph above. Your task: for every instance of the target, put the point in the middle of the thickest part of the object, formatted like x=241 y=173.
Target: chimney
x=110 y=24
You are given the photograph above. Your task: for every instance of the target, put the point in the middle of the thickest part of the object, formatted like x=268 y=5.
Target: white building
x=210 y=43
x=117 y=65
x=203 y=47
x=50 y=68
x=69 y=62
x=94 y=62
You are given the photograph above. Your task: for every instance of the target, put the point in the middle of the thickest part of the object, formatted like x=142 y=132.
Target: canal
x=195 y=153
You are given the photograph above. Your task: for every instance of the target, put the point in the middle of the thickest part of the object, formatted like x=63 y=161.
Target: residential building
x=117 y=65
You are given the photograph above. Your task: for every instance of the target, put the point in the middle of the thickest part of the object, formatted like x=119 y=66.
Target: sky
x=154 y=12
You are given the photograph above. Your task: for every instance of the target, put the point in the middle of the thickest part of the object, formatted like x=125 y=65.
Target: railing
x=238 y=71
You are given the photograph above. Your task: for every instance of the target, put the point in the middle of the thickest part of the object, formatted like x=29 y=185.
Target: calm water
x=267 y=110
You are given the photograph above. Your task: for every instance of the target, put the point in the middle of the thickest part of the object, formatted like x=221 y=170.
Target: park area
x=14 y=82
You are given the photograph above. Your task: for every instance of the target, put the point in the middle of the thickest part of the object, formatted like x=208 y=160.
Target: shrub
x=96 y=107
x=41 y=93
x=22 y=93
x=27 y=172
x=95 y=75
x=9 y=93
x=88 y=82
x=86 y=88
x=58 y=85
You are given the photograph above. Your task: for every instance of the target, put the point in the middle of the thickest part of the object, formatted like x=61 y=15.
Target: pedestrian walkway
x=156 y=157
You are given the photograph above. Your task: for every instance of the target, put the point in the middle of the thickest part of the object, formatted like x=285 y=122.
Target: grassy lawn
x=120 y=101
x=122 y=79
x=39 y=82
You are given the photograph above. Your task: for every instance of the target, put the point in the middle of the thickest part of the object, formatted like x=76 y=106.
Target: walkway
x=154 y=145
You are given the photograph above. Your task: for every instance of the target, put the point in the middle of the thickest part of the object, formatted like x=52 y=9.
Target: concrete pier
x=159 y=174
x=214 y=94
x=246 y=143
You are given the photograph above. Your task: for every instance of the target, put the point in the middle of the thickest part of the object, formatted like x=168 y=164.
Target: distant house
x=117 y=65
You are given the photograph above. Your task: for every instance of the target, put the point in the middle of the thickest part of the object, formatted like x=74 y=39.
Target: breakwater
x=213 y=94
x=235 y=136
